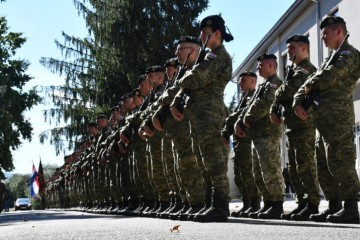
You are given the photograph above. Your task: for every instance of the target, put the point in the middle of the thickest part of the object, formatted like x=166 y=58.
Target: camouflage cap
x=92 y=124
x=266 y=56
x=189 y=39
x=142 y=78
x=125 y=96
x=298 y=38
x=248 y=74
x=115 y=108
x=216 y=22
x=155 y=69
x=172 y=62
x=136 y=92
x=101 y=116
x=331 y=20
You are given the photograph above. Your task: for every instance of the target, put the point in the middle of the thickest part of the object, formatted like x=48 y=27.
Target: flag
x=40 y=178
x=34 y=183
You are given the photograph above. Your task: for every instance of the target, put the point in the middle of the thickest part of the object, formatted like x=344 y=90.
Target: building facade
x=304 y=17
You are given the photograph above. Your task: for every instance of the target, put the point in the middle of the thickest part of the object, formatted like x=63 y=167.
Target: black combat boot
x=305 y=213
x=194 y=208
x=255 y=206
x=172 y=204
x=175 y=208
x=175 y=215
x=267 y=205
x=218 y=212
x=287 y=216
x=349 y=214
x=274 y=212
x=206 y=206
x=334 y=206
x=246 y=206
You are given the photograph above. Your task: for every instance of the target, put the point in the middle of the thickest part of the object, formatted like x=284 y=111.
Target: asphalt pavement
x=68 y=225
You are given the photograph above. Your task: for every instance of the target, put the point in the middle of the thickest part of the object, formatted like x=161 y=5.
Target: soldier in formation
x=160 y=152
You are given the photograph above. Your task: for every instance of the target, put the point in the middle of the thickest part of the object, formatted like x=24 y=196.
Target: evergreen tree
x=125 y=37
x=14 y=100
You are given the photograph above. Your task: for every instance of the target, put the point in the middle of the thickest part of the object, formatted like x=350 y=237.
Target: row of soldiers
x=163 y=151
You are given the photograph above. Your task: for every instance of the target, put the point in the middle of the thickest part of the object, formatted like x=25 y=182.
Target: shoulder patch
x=304 y=70
x=211 y=55
x=273 y=85
x=346 y=52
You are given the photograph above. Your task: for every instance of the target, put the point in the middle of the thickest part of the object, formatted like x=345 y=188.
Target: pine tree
x=125 y=37
x=14 y=100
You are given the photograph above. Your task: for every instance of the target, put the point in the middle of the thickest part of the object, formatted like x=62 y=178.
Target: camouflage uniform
x=300 y=137
x=207 y=81
x=243 y=172
x=266 y=139
x=334 y=117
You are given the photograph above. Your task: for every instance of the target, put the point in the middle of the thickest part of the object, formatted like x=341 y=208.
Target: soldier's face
x=145 y=87
x=263 y=68
x=292 y=49
x=137 y=100
x=182 y=51
x=329 y=36
x=245 y=82
x=204 y=34
x=128 y=104
x=155 y=78
x=170 y=71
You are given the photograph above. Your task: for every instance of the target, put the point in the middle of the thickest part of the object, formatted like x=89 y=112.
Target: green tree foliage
x=233 y=103
x=125 y=37
x=19 y=185
x=14 y=100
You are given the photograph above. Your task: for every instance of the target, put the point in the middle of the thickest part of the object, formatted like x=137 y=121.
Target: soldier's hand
x=157 y=124
x=300 y=112
x=141 y=134
x=274 y=118
x=148 y=131
x=238 y=130
x=307 y=89
x=124 y=139
x=178 y=116
x=225 y=141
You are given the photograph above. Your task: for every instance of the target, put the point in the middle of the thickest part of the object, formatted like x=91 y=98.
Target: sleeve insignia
x=273 y=85
x=346 y=52
x=211 y=55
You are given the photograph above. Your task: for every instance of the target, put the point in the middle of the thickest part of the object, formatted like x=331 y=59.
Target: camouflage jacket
x=335 y=81
x=207 y=80
x=285 y=93
x=256 y=114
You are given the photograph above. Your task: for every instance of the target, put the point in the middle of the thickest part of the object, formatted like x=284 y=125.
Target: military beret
x=172 y=62
x=216 y=22
x=298 y=38
x=190 y=39
x=92 y=124
x=125 y=96
x=331 y=20
x=115 y=108
x=155 y=69
x=136 y=92
x=101 y=116
x=266 y=56
x=248 y=74
x=142 y=78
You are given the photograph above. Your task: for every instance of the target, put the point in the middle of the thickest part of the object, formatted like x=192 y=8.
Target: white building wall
x=304 y=17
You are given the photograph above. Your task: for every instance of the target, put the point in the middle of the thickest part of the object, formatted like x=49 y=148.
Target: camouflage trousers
x=158 y=168
x=335 y=155
x=115 y=190
x=142 y=169
x=206 y=121
x=243 y=168
x=191 y=179
x=302 y=165
x=268 y=161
